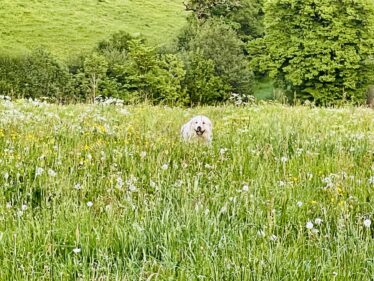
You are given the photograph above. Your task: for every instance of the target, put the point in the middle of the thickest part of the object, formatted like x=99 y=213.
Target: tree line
x=316 y=50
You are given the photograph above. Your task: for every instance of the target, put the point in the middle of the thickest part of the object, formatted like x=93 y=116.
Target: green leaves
x=320 y=45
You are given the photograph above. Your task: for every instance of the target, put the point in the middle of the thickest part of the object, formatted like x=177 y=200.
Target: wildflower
x=309 y=225
x=165 y=167
x=223 y=210
x=132 y=188
x=51 y=173
x=119 y=182
x=152 y=184
x=371 y=180
x=299 y=204
x=273 y=237
x=207 y=166
x=77 y=186
x=335 y=273
x=284 y=159
x=89 y=157
x=222 y=151
x=367 y=223
x=89 y=204
x=315 y=231
x=318 y=221
x=178 y=183
x=39 y=171
x=76 y=250
x=8 y=205
x=245 y=188
x=24 y=207
x=261 y=233
x=281 y=183
x=6 y=175
x=143 y=154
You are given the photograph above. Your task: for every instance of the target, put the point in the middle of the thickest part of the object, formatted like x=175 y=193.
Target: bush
x=217 y=44
x=38 y=74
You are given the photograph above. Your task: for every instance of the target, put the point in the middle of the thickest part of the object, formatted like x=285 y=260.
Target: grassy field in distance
x=67 y=27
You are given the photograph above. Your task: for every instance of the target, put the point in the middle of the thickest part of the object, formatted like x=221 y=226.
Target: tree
x=318 y=49
x=217 y=42
x=244 y=16
x=95 y=66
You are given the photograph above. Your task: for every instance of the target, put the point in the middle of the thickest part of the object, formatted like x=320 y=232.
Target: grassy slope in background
x=68 y=26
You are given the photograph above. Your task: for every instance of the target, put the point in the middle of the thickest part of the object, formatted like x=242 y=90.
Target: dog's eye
x=204 y=123
x=196 y=122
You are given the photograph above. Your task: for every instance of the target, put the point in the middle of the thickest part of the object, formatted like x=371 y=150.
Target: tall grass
x=97 y=192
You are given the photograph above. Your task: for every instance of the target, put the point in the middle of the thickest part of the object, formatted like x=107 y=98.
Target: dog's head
x=201 y=125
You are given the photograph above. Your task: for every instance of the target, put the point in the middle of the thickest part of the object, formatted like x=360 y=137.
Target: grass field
x=68 y=27
x=92 y=192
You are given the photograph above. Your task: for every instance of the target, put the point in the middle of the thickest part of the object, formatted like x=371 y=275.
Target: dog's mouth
x=199 y=132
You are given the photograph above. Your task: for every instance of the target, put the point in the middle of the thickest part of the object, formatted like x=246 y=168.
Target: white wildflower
x=24 y=207
x=299 y=204
x=367 y=223
x=132 y=188
x=281 y=183
x=371 y=180
x=284 y=159
x=261 y=233
x=315 y=231
x=76 y=250
x=318 y=221
x=119 y=182
x=51 y=173
x=273 y=237
x=39 y=171
x=165 y=167
x=143 y=154
x=77 y=186
x=152 y=184
x=89 y=204
x=309 y=225
x=245 y=188
x=222 y=151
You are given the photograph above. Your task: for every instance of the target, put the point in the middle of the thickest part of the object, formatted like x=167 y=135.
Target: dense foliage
x=319 y=50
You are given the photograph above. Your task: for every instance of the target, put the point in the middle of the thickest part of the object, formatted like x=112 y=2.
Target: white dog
x=198 y=128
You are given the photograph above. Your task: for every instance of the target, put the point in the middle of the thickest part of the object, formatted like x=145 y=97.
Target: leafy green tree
x=203 y=85
x=318 y=49
x=244 y=16
x=95 y=67
x=217 y=42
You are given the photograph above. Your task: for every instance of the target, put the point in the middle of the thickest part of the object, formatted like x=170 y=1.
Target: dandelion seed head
x=39 y=171
x=51 y=173
x=367 y=223
x=309 y=225
x=76 y=250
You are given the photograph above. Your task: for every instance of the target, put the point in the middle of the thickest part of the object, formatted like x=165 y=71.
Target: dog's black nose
x=198 y=128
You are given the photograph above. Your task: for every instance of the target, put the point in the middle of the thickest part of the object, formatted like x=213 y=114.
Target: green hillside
x=69 y=26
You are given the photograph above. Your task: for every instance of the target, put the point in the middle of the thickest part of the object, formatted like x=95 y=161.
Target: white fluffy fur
x=199 y=128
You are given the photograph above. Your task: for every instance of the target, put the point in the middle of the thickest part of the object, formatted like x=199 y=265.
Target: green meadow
x=103 y=192
x=68 y=27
